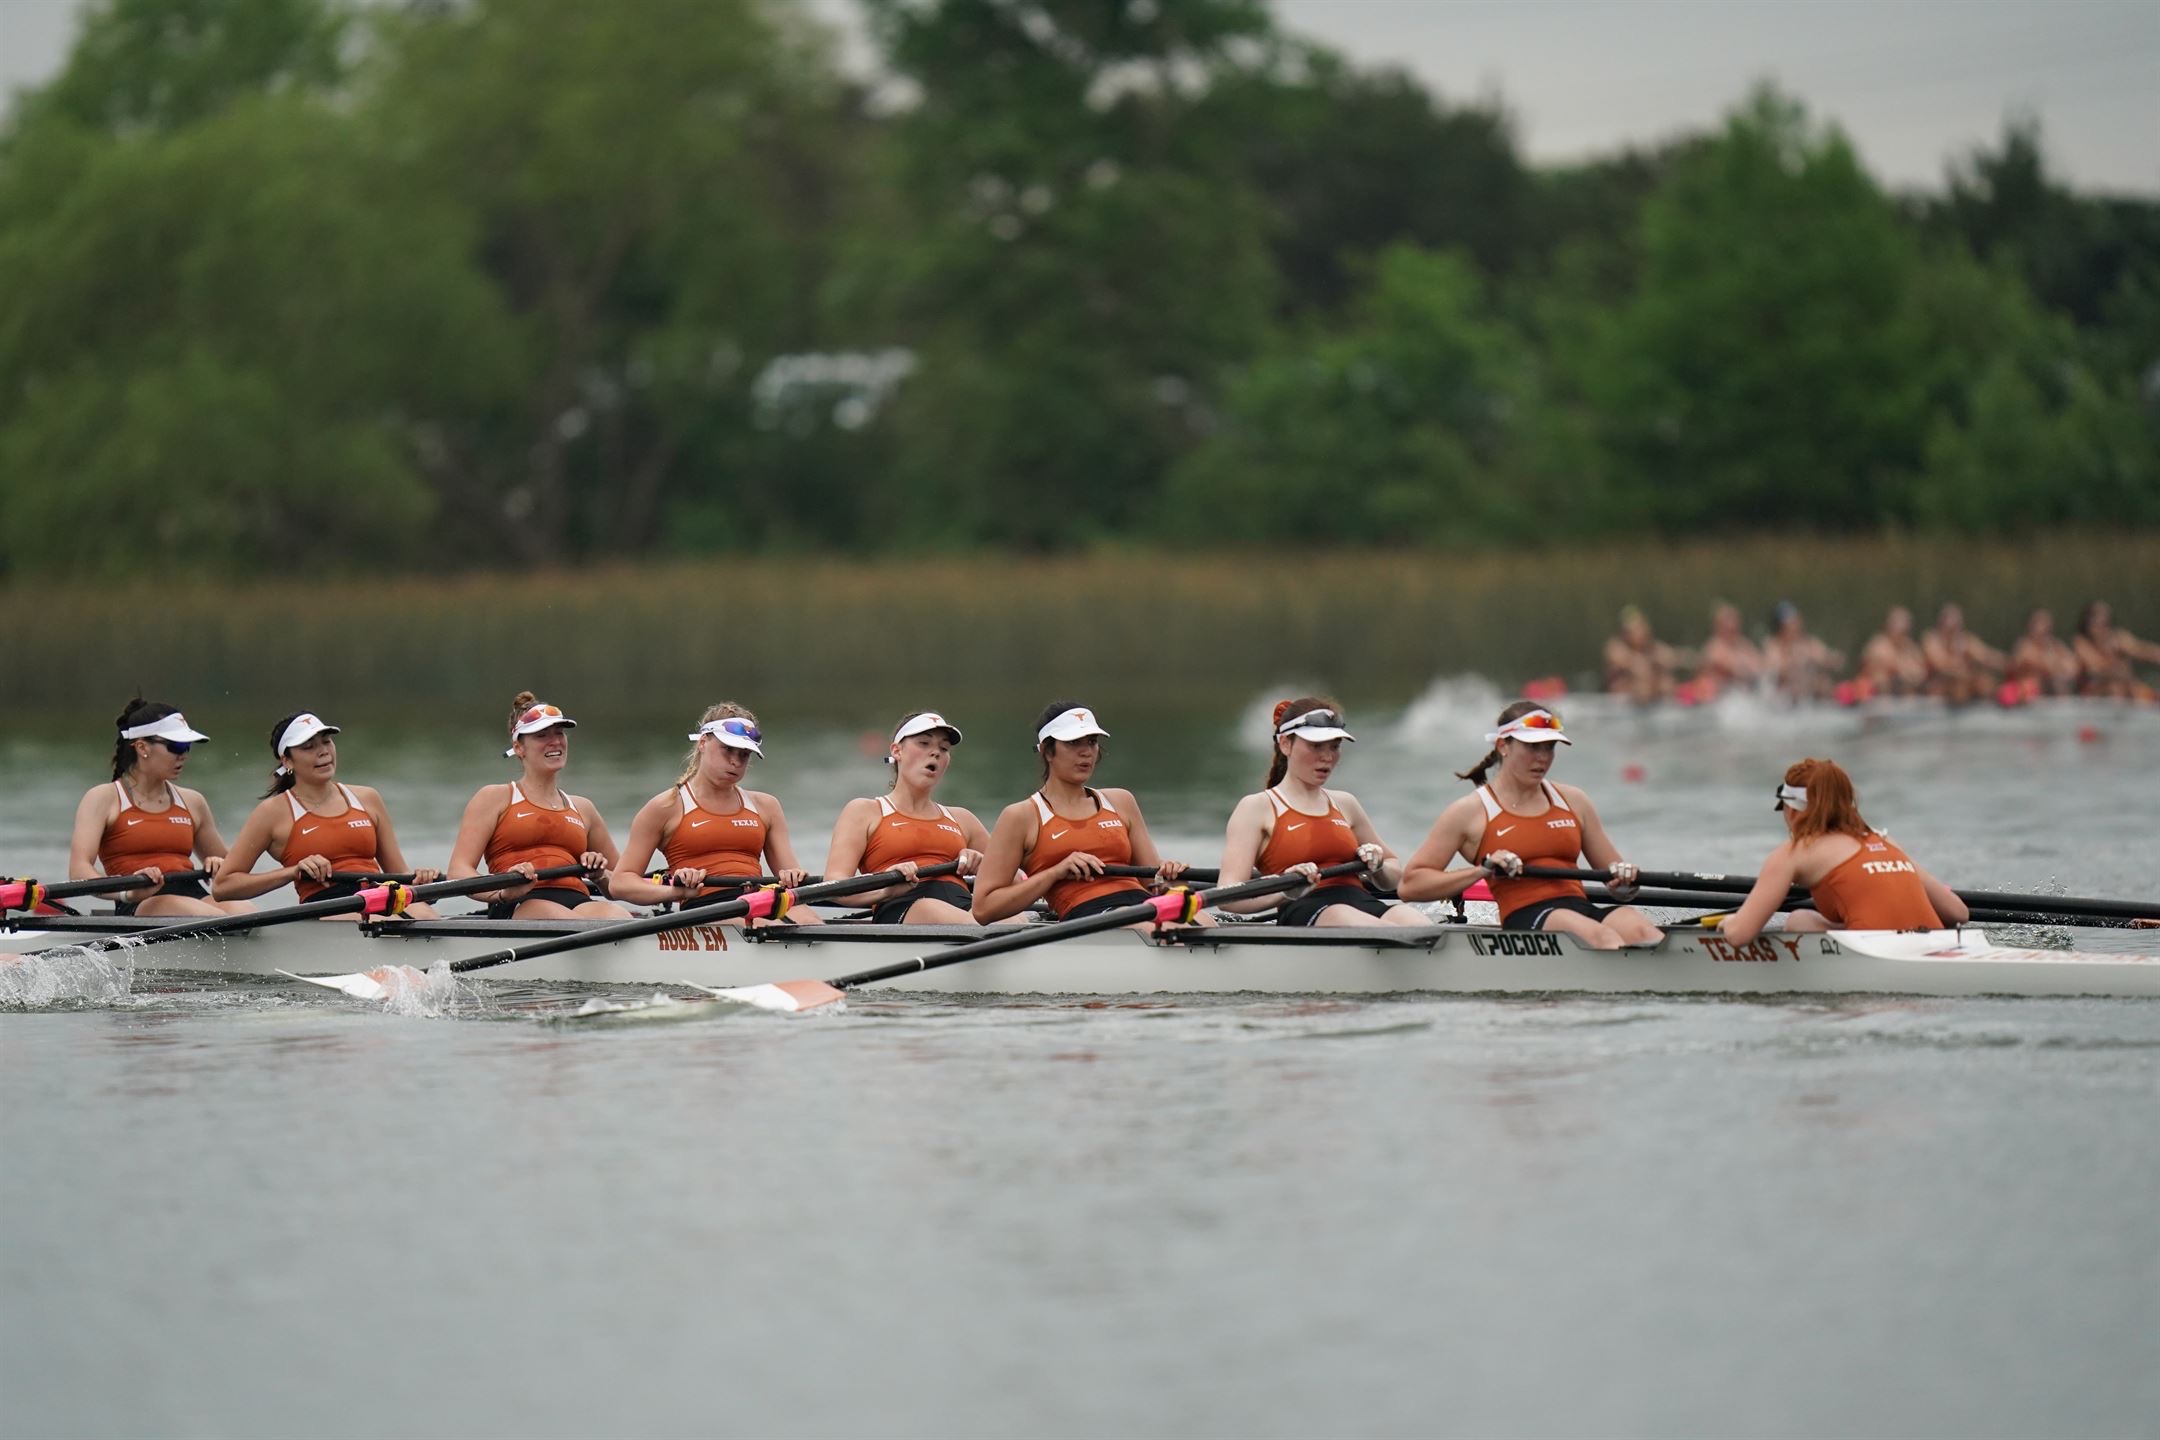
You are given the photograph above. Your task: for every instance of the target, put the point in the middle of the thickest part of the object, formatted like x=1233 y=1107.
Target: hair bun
x=1282 y=709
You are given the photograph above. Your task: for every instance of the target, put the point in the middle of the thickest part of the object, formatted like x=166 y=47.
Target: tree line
x=315 y=283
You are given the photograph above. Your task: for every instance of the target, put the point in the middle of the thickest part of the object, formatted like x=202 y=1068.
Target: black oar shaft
x=1087 y=925
x=1985 y=899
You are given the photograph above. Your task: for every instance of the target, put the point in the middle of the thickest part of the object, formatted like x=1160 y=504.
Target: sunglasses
x=1538 y=721
x=540 y=712
x=178 y=747
x=738 y=727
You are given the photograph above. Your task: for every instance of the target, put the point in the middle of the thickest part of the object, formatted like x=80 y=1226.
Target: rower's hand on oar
x=1373 y=856
x=1504 y=862
x=1625 y=880
x=1309 y=872
x=212 y=864
x=1079 y=865
x=151 y=875
x=1169 y=870
x=425 y=876
x=907 y=869
x=595 y=863
x=793 y=876
x=510 y=894
x=314 y=867
x=969 y=862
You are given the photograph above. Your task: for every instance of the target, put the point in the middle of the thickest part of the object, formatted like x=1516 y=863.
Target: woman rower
x=1296 y=824
x=146 y=823
x=324 y=832
x=2105 y=654
x=905 y=829
x=1521 y=818
x=708 y=825
x=1060 y=840
x=2040 y=663
x=530 y=824
x=1856 y=879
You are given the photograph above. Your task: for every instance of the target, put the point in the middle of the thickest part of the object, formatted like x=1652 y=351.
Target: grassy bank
x=834 y=636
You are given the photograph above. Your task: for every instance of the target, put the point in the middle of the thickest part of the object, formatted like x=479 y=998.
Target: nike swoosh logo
x=1503 y=830
x=1288 y=828
x=695 y=823
x=524 y=814
x=134 y=822
x=311 y=829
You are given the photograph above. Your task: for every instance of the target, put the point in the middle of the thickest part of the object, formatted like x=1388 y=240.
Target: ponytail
x=281 y=778
x=1476 y=774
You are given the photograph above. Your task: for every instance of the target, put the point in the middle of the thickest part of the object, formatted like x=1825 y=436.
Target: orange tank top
x=1102 y=835
x=1877 y=887
x=347 y=840
x=1299 y=837
x=531 y=831
x=138 y=837
x=897 y=837
x=1551 y=837
x=731 y=844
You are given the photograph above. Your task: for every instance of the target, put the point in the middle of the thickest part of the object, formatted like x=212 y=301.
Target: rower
x=1801 y=666
x=1729 y=659
x=1961 y=667
x=1053 y=845
x=1892 y=662
x=2105 y=655
x=2040 y=663
x=1638 y=665
x=1519 y=818
x=531 y=823
x=905 y=829
x=706 y=825
x=1295 y=824
x=144 y=822
x=1856 y=878
x=324 y=832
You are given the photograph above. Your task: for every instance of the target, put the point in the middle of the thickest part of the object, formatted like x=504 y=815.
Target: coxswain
x=1054 y=845
x=1801 y=666
x=532 y=824
x=1892 y=662
x=1517 y=817
x=1638 y=665
x=145 y=823
x=2040 y=663
x=906 y=829
x=1296 y=825
x=2105 y=655
x=707 y=826
x=1856 y=878
x=1961 y=667
x=323 y=832
x=1730 y=660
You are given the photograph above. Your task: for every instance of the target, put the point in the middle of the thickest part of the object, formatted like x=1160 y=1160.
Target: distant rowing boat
x=1448 y=959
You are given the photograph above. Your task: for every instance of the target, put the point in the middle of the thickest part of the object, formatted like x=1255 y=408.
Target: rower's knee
x=1603 y=937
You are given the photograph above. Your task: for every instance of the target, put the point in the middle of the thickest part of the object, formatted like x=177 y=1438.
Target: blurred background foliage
x=306 y=285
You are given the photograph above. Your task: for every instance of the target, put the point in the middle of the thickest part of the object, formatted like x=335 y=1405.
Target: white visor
x=923 y=724
x=538 y=716
x=1075 y=724
x=171 y=727
x=1791 y=797
x=733 y=731
x=1316 y=726
x=303 y=729
x=1538 y=727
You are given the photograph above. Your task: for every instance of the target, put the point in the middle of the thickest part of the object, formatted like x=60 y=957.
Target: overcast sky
x=1915 y=82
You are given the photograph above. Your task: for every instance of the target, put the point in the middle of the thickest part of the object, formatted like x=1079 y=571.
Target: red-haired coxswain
x=905 y=829
x=145 y=822
x=532 y=823
x=1519 y=817
x=1054 y=845
x=709 y=825
x=1856 y=878
x=1295 y=824
x=323 y=832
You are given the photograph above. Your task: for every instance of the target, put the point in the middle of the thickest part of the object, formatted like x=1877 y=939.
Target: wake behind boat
x=1228 y=959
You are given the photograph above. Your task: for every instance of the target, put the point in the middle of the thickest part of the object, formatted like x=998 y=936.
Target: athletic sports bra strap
x=885 y=806
x=689 y=801
x=944 y=812
x=1492 y=805
x=1102 y=804
x=1275 y=801
x=1042 y=807
x=1552 y=793
x=293 y=800
x=350 y=798
x=746 y=804
x=121 y=791
x=517 y=796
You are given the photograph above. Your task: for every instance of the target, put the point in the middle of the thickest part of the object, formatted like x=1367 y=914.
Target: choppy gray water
x=243 y=1210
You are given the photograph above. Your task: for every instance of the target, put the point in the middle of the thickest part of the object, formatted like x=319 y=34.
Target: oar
x=1979 y=899
x=1176 y=908
x=28 y=894
x=770 y=902
x=374 y=900
x=1198 y=876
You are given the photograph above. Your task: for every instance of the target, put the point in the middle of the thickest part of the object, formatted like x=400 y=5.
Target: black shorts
x=1116 y=900
x=1532 y=917
x=187 y=889
x=560 y=894
x=1305 y=910
x=894 y=911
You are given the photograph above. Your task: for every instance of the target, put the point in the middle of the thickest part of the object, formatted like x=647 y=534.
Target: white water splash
x=67 y=975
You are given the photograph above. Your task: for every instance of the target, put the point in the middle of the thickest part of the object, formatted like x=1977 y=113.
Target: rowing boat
x=1457 y=959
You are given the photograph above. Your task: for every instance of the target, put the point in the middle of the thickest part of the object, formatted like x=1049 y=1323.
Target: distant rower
x=1961 y=666
x=1730 y=661
x=1892 y=663
x=1856 y=878
x=145 y=823
x=2105 y=655
x=1801 y=666
x=905 y=829
x=1521 y=818
x=2040 y=663
x=1637 y=663
x=322 y=831
x=1297 y=824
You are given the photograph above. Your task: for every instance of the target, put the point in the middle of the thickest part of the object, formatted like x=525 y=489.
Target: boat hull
x=1458 y=959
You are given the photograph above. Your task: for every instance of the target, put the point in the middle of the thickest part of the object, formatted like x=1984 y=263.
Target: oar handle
x=1178 y=904
x=25 y=893
x=1198 y=876
x=1978 y=899
x=374 y=900
x=768 y=901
